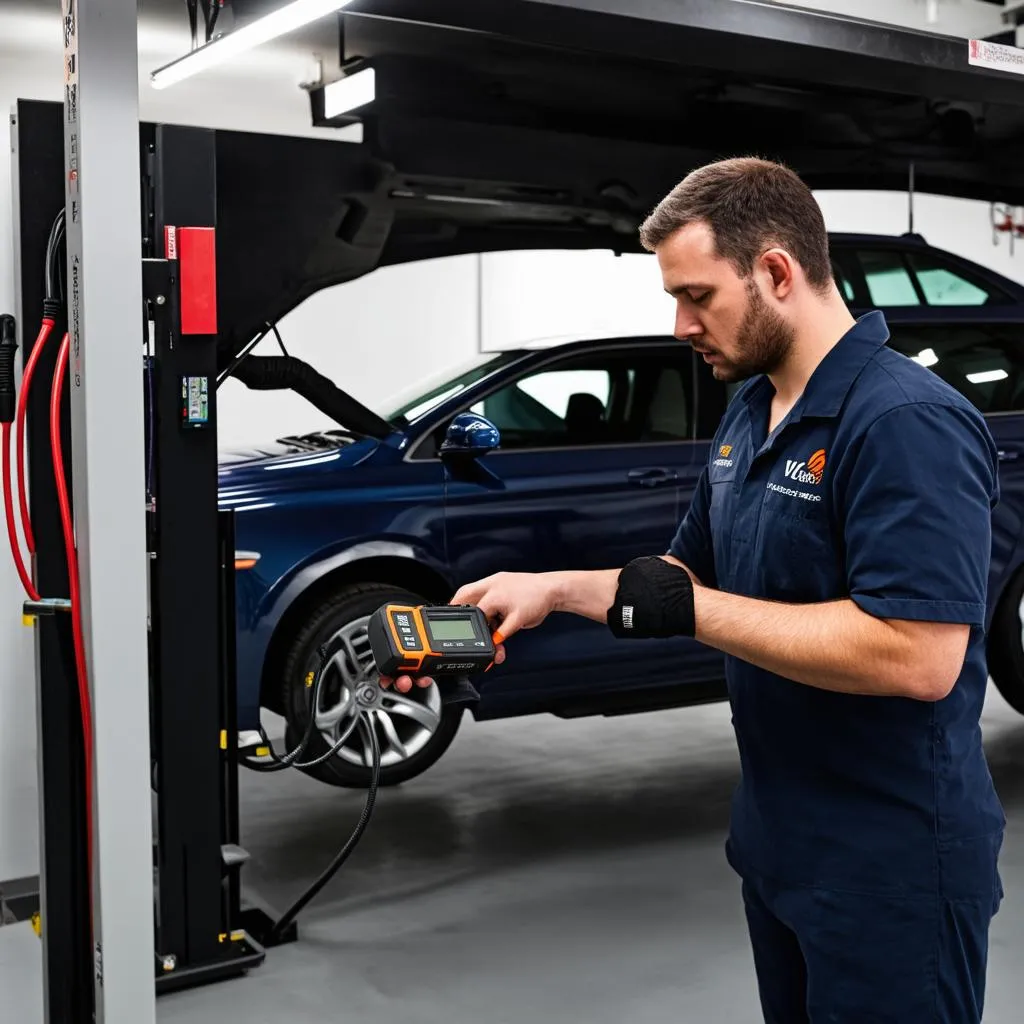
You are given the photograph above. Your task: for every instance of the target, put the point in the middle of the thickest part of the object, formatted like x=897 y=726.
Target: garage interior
x=562 y=862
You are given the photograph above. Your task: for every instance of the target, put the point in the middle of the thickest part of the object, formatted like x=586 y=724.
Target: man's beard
x=763 y=341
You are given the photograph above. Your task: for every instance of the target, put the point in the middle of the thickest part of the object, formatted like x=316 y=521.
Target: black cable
x=281 y=762
x=54 y=282
x=241 y=357
x=214 y=15
x=280 y=341
x=310 y=894
x=193 y=19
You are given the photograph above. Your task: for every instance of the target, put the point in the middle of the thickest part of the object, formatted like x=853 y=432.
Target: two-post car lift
x=497 y=125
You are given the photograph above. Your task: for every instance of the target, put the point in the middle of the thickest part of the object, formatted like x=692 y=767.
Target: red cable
x=72 y=559
x=19 y=561
x=26 y=579
x=26 y=383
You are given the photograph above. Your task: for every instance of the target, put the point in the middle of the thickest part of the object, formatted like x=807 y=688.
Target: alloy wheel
x=404 y=724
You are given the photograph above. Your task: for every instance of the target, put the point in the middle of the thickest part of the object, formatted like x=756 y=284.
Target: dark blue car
x=602 y=444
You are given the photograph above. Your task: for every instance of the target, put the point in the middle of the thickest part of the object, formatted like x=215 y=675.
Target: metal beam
x=105 y=317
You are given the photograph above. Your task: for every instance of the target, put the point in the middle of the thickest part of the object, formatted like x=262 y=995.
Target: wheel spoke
x=327 y=719
x=383 y=719
x=399 y=704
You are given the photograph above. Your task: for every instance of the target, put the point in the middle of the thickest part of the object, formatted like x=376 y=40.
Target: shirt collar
x=834 y=376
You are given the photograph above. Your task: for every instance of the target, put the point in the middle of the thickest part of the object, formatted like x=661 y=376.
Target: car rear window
x=984 y=362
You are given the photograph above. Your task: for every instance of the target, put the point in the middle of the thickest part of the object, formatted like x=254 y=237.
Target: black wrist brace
x=654 y=600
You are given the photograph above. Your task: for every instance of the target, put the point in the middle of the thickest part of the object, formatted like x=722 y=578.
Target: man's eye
x=702 y=298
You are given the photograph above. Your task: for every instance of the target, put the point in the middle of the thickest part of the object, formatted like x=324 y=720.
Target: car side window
x=888 y=279
x=637 y=395
x=942 y=285
x=984 y=362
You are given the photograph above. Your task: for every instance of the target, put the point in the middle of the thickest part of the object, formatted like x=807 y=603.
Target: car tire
x=418 y=730
x=1005 y=647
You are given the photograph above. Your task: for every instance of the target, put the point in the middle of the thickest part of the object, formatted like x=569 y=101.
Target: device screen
x=452 y=629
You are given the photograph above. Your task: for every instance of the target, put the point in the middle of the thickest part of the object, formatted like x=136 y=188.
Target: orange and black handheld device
x=431 y=640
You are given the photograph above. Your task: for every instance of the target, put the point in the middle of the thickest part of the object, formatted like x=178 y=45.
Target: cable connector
x=8 y=351
x=52 y=309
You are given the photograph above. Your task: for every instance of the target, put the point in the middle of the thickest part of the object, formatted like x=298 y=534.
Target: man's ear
x=781 y=269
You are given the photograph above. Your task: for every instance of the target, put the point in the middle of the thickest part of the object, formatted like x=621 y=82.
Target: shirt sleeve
x=692 y=543
x=917 y=515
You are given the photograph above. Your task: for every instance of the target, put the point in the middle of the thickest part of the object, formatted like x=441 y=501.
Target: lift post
x=104 y=302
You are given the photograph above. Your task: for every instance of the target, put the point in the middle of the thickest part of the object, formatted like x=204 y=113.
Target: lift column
x=104 y=288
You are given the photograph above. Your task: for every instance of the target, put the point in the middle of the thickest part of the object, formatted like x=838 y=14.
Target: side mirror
x=470 y=435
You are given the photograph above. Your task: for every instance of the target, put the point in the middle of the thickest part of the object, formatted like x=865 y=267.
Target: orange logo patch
x=816 y=465
x=725 y=451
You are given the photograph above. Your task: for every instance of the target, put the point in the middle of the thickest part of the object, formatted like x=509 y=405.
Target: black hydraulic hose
x=8 y=369
x=281 y=373
x=311 y=893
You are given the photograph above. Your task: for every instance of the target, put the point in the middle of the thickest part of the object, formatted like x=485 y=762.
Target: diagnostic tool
x=445 y=642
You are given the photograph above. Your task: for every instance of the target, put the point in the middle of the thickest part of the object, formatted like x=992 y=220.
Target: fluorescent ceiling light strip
x=987 y=376
x=278 y=23
x=350 y=93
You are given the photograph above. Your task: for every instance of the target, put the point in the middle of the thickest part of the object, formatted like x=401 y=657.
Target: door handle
x=655 y=476
x=1008 y=455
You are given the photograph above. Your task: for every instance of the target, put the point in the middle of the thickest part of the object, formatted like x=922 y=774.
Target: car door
x=597 y=459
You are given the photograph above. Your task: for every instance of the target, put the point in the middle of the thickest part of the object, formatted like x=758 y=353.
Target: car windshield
x=430 y=394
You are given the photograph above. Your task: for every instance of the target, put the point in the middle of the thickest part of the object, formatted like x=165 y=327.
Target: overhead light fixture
x=926 y=357
x=278 y=23
x=350 y=93
x=987 y=376
x=343 y=102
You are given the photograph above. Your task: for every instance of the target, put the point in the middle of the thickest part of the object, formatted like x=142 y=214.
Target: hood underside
x=559 y=124
x=511 y=124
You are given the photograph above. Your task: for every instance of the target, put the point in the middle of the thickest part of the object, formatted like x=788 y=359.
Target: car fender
x=290 y=587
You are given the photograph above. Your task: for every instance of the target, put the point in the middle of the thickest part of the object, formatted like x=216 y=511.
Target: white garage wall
x=376 y=336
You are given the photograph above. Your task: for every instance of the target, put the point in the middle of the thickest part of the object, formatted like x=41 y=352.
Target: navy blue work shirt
x=878 y=486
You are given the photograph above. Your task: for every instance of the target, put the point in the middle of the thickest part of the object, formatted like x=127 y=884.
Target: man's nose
x=688 y=326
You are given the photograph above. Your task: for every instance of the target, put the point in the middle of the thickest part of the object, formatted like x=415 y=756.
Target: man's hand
x=513 y=601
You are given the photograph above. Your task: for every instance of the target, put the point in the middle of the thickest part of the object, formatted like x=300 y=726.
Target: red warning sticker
x=995 y=56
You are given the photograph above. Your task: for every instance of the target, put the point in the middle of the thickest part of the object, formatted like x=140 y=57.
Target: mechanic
x=837 y=551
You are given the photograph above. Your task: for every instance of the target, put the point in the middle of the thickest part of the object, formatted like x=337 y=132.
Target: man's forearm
x=832 y=646
x=589 y=594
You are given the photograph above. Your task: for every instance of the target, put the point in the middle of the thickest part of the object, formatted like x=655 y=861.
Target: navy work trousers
x=846 y=958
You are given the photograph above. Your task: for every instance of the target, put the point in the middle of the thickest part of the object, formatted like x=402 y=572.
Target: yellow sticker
x=309 y=680
x=223 y=739
x=37 y=924
x=263 y=751
x=28 y=620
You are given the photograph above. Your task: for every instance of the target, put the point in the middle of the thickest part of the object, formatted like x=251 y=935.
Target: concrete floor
x=543 y=871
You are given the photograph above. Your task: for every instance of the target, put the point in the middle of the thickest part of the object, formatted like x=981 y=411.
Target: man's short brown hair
x=750 y=205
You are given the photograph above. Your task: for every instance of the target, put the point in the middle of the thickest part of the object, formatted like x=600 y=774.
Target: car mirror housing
x=470 y=435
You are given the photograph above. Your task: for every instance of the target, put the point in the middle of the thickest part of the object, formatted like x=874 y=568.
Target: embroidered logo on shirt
x=725 y=451
x=723 y=459
x=809 y=472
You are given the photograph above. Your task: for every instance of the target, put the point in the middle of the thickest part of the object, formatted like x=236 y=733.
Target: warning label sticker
x=997 y=56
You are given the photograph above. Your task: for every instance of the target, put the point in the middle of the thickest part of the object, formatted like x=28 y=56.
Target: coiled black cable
x=332 y=869
x=281 y=762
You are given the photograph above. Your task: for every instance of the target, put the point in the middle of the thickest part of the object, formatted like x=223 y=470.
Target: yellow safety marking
x=309 y=680
x=237 y=936
x=28 y=620
x=223 y=739
x=37 y=924
x=263 y=751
